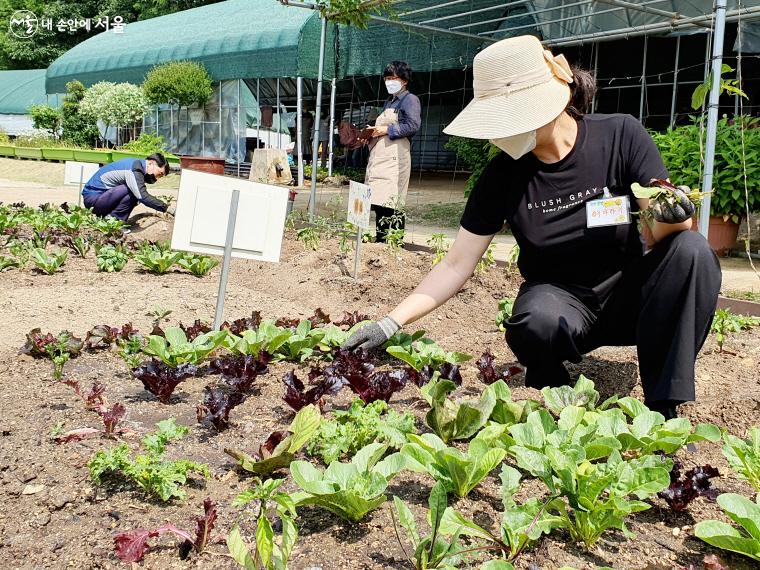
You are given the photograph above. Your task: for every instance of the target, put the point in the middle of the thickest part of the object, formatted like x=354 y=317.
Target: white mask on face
x=517 y=145
x=393 y=86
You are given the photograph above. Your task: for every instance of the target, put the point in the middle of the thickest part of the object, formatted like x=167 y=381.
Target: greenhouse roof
x=20 y=89
x=232 y=39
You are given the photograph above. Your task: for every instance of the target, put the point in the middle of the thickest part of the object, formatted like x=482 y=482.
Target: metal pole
x=279 y=117
x=317 y=113
x=643 y=81
x=332 y=128
x=596 y=73
x=258 y=122
x=299 y=128
x=221 y=150
x=675 y=84
x=712 y=113
x=237 y=132
x=81 y=181
x=231 y=220
x=357 y=255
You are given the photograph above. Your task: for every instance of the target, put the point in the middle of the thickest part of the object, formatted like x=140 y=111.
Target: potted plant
x=680 y=149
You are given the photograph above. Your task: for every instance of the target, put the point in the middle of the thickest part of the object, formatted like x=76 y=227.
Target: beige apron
x=389 y=165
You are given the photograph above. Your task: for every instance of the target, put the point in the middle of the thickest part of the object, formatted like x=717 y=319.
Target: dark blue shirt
x=409 y=115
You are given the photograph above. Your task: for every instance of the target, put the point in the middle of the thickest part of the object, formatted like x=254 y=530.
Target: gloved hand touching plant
x=373 y=334
x=171 y=209
x=668 y=204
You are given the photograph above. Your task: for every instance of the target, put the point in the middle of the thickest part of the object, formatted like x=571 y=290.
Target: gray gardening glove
x=673 y=207
x=372 y=335
x=171 y=209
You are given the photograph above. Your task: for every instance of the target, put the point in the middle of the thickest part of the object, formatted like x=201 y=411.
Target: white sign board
x=203 y=209
x=359 y=202
x=76 y=172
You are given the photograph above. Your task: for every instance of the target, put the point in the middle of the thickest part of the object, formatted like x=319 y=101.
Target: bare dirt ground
x=68 y=523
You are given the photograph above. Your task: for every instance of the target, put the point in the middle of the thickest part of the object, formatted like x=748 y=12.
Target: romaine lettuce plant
x=267 y=337
x=301 y=343
x=349 y=490
x=505 y=410
x=268 y=553
x=433 y=551
x=459 y=472
x=358 y=426
x=280 y=448
x=744 y=456
x=744 y=513
x=198 y=265
x=155 y=261
x=455 y=420
x=48 y=263
x=583 y=395
x=151 y=472
x=7 y=262
x=175 y=349
x=418 y=351
x=521 y=524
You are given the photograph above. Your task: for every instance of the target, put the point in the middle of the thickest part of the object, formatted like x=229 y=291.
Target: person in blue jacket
x=115 y=189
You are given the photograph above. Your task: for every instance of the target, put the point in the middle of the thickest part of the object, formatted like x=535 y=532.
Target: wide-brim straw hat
x=518 y=87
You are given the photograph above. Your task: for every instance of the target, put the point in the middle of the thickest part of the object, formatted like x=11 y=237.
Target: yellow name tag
x=608 y=211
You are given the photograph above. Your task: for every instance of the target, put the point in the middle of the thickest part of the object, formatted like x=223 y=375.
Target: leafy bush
x=743 y=512
x=151 y=472
x=476 y=154
x=459 y=472
x=680 y=150
x=46 y=117
x=111 y=259
x=78 y=129
x=744 y=456
x=179 y=82
x=349 y=490
x=357 y=427
x=146 y=144
x=116 y=104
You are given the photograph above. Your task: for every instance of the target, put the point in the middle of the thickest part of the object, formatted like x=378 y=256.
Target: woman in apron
x=390 y=159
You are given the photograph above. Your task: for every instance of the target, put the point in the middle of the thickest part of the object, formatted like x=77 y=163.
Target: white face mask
x=517 y=145
x=393 y=86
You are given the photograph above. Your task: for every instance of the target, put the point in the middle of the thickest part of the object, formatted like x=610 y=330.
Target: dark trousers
x=663 y=303
x=118 y=202
x=387 y=219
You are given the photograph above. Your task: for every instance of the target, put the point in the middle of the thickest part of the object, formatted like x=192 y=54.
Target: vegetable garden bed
x=54 y=516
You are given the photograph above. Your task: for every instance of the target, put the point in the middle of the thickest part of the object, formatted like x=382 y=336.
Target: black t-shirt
x=544 y=204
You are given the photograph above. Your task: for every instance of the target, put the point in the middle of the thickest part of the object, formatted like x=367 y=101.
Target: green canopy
x=232 y=39
x=20 y=89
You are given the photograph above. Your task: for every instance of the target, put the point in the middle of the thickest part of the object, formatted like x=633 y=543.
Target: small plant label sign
x=359 y=196
x=76 y=173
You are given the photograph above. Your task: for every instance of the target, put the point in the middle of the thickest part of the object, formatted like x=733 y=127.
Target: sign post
x=231 y=221
x=359 y=204
x=75 y=173
x=229 y=217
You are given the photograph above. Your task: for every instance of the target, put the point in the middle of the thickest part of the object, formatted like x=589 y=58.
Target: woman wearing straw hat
x=390 y=158
x=587 y=281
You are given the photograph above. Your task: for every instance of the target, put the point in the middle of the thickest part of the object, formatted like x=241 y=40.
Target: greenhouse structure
x=19 y=90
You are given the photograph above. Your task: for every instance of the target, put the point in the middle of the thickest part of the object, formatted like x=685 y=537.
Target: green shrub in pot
x=680 y=149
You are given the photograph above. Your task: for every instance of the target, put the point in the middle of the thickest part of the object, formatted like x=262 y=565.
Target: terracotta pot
x=210 y=164
x=721 y=235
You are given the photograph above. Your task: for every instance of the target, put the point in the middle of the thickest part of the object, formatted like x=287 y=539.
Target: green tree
x=46 y=117
x=116 y=104
x=78 y=128
x=180 y=82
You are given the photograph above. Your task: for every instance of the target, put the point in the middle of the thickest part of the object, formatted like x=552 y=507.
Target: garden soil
x=51 y=516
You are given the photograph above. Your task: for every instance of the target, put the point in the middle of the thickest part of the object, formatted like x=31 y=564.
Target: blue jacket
x=127 y=172
x=409 y=115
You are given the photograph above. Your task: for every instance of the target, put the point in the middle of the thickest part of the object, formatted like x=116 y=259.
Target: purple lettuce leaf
x=217 y=405
x=161 y=379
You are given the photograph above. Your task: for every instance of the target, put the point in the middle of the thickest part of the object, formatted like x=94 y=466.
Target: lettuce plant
x=161 y=380
x=685 y=488
x=48 y=263
x=455 y=420
x=7 y=262
x=349 y=490
x=297 y=396
x=418 y=351
x=583 y=395
x=268 y=553
x=434 y=550
x=744 y=456
x=488 y=373
x=744 y=513
x=153 y=260
x=301 y=343
x=505 y=410
x=217 y=405
x=198 y=265
x=195 y=330
x=239 y=326
x=358 y=426
x=521 y=524
x=266 y=337
x=156 y=476
x=174 y=348
x=240 y=372
x=280 y=448
x=459 y=472
x=357 y=370
x=111 y=259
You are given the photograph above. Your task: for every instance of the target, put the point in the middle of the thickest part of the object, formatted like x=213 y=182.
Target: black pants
x=387 y=219
x=118 y=202
x=663 y=303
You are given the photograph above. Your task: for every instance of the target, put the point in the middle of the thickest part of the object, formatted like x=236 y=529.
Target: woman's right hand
x=372 y=335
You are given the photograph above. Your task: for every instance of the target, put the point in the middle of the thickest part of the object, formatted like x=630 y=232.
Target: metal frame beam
x=525 y=14
x=674 y=16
